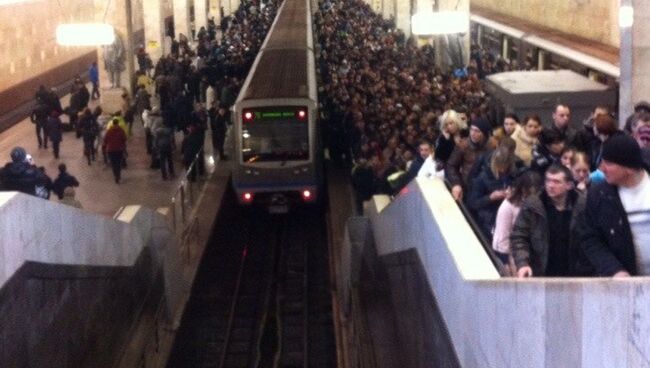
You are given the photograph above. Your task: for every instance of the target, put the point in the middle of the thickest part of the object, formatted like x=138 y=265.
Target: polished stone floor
x=97 y=192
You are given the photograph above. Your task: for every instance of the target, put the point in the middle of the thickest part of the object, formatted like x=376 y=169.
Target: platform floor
x=97 y=191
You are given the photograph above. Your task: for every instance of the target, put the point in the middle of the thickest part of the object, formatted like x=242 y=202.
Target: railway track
x=261 y=299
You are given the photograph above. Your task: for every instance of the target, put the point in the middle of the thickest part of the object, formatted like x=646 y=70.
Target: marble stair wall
x=505 y=322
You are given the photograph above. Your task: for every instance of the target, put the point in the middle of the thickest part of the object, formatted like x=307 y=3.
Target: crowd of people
x=190 y=91
x=389 y=110
x=535 y=190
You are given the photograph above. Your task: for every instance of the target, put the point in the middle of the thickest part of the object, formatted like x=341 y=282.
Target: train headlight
x=247 y=197
x=302 y=114
x=306 y=195
x=248 y=116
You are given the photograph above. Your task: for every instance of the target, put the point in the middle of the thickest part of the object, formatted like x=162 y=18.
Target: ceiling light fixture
x=439 y=23
x=85 y=34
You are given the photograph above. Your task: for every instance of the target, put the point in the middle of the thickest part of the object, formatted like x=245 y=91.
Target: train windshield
x=275 y=135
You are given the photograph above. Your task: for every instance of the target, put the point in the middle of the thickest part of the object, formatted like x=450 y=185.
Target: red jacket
x=115 y=139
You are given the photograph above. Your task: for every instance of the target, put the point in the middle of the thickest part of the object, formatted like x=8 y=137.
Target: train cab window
x=278 y=135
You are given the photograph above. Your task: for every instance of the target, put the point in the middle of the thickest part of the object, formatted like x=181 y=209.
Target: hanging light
x=626 y=16
x=85 y=34
x=439 y=23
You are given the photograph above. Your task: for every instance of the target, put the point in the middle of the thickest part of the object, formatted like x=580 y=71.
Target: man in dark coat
x=462 y=160
x=544 y=239
x=163 y=142
x=218 y=125
x=191 y=147
x=615 y=235
x=39 y=118
x=63 y=181
x=55 y=131
x=19 y=175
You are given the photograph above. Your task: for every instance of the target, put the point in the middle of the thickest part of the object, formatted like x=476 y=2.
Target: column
x=154 y=28
x=442 y=43
x=213 y=10
x=403 y=16
x=634 y=84
x=118 y=14
x=200 y=14
x=182 y=18
x=388 y=8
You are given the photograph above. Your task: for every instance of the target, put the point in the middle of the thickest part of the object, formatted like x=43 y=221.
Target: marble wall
x=28 y=37
x=505 y=322
x=42 y=231
x=592 y=19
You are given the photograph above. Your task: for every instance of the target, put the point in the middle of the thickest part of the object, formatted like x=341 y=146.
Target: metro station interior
x=223 y=260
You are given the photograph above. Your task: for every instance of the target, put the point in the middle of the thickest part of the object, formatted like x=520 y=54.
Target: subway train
x=277 y=149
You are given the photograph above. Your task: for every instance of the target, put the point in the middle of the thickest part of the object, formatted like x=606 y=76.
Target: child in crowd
x=526 y=184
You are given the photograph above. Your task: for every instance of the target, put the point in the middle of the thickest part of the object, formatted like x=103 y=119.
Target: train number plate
x=279 y=209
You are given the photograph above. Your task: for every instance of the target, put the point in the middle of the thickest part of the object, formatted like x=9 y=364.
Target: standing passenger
x=115 y=141
x=616 y=231
x=544 y=238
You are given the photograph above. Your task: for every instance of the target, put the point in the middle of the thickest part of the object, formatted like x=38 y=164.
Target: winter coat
x=525 y=144
x=191 y=146
x=479 y=198
x=21 y=177
x=529 y=239
x=605 y=235
x=462 y=161
x=542 y=159
x=444 y=148
x=164 y=139
x=63 y=181
x=115 y=139
x=54 y=129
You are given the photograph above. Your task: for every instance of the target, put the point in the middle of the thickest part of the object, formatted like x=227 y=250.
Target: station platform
x=97 y=191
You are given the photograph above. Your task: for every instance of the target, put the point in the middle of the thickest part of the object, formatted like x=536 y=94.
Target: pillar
x=200 y=14
x=182 y=18
x=119 y=15
x=213 y=10
x=403 y=16
x=154 y=29
x=634 y=84
x=442 y=43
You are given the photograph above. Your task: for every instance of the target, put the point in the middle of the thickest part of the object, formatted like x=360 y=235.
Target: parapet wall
x=505 y=322
x=74 y=284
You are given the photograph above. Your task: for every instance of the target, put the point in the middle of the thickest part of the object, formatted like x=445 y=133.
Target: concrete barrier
x=505 y=322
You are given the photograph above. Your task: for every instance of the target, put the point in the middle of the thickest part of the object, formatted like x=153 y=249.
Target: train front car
x=277 y=156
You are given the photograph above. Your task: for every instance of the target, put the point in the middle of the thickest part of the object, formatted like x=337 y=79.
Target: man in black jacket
x=543 y=239
x=615 y=235
x=21 y=176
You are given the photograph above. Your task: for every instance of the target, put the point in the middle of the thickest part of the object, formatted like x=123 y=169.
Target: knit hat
x=623 y=150
x=483 y=125
x=18 y=154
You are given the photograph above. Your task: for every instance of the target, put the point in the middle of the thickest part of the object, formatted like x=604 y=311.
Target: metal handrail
x=479 y=234
x=184 y=196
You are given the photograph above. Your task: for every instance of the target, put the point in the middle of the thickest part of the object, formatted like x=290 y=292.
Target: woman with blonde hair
x=451 y=125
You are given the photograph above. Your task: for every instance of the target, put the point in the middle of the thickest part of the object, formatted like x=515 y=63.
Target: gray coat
x=530 y=235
